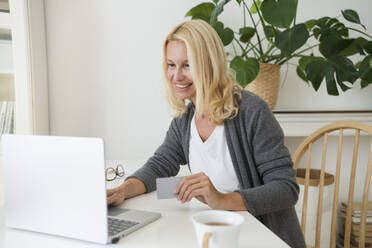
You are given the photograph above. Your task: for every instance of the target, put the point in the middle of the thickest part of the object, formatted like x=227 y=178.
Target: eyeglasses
x=112 y=174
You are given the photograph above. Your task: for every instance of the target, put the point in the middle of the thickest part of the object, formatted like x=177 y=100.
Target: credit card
x=165 y=187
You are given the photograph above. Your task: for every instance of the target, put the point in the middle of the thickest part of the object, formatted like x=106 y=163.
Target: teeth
x=183 y=85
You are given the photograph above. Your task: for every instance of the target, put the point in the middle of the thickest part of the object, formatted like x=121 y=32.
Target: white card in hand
x=165 y=187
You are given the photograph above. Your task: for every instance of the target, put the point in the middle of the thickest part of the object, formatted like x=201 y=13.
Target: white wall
x=104 y=60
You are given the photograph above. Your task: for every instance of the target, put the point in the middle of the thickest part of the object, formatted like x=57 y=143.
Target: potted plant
x=273 y=38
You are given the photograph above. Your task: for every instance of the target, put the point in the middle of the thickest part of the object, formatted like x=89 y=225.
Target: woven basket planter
x=266 y=84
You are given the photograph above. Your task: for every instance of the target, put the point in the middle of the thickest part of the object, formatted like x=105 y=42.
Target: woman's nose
x=179 y=74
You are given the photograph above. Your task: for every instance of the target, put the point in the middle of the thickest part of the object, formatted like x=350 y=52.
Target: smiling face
x=178 y=70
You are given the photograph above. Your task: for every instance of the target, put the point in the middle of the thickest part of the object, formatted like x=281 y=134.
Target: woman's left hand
x=199 y=186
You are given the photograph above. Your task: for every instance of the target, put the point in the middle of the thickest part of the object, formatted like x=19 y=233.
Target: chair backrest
x=306 y=146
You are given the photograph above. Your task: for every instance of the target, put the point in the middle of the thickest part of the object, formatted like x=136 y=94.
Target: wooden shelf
x=303 y=124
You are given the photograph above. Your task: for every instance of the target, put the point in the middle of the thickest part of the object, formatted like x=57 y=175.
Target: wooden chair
x=306 y=146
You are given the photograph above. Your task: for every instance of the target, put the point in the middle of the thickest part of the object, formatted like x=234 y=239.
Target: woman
x=228 y=137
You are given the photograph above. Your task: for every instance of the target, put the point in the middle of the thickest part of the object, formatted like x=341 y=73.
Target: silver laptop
x=57 y=185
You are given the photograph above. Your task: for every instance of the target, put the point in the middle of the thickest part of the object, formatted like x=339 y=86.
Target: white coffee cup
x=217 y=228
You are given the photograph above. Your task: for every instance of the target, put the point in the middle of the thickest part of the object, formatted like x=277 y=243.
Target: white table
x=173 y=229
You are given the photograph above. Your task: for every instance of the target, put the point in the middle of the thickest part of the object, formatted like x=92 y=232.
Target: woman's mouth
x=183 y=86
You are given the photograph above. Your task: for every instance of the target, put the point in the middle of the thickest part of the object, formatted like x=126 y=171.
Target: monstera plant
x=270 y=34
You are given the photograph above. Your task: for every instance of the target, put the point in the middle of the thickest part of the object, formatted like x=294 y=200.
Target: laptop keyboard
x=116 y=226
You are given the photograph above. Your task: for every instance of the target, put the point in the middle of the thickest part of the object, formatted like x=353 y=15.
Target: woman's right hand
x=115 y=196
x=131 y=187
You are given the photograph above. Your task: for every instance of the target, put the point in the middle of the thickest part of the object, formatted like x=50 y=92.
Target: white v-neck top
x=213 y=158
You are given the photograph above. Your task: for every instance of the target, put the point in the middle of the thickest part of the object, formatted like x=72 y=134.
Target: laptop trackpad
x=113 y=211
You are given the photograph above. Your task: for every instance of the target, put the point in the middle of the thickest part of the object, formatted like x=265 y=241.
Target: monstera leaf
x=345 y=70
x=326 y=26
x=246 y=33
x=246 y=70
x=256 y=6
x=290 y=40
x=352 y=16
x=333 y=45
x=202 y=11
x=368 y=47
x=365 y=71
x=355 y=47
x=302 y=64
x=335 y=70
x=226 y=34
x=279 y=13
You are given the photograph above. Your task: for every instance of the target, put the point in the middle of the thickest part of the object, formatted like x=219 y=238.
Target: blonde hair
x=214 y=82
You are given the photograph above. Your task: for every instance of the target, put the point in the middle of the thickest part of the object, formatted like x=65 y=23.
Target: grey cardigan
x=261 y=161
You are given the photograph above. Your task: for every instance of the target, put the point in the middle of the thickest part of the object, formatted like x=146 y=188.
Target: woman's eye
x=171 y=65
x=186 y=65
